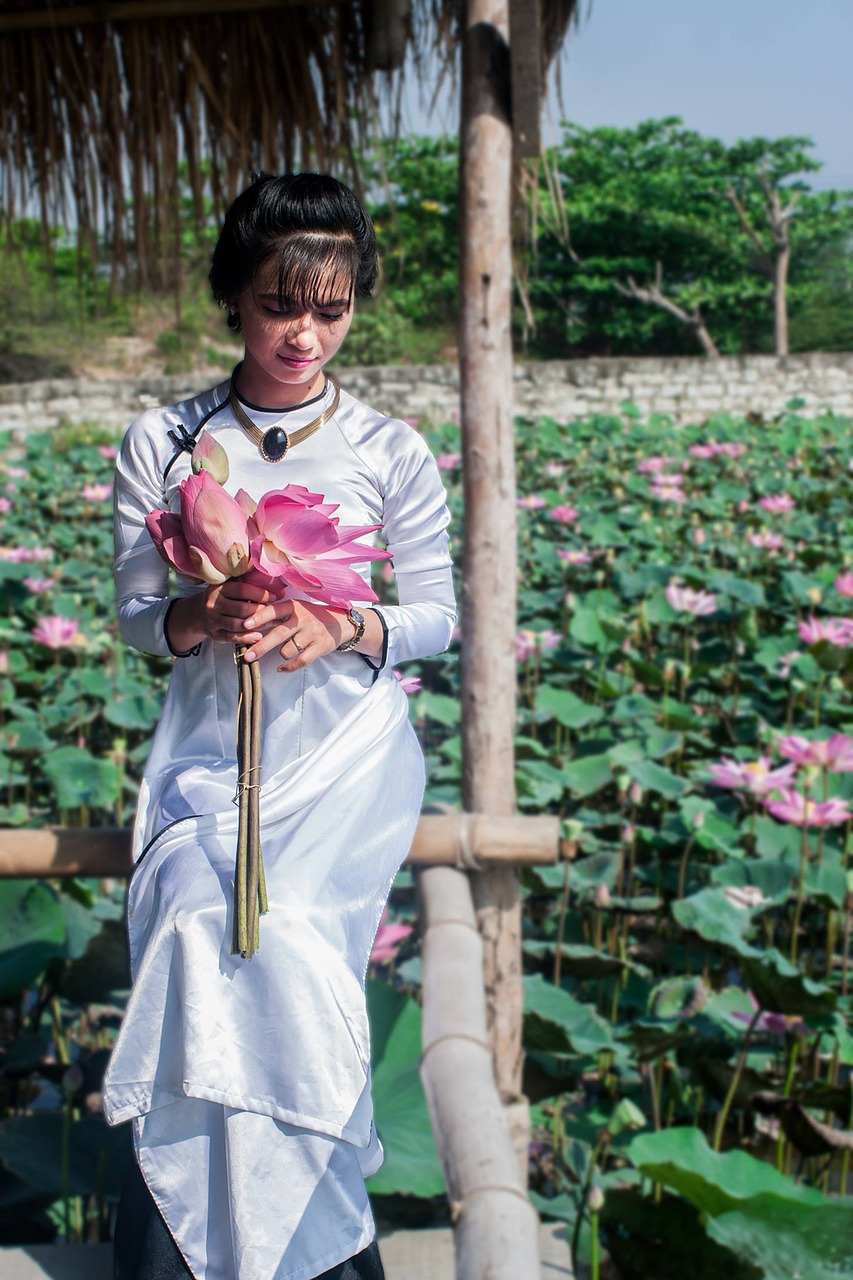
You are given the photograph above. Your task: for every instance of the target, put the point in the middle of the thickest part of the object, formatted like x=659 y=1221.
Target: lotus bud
x=602 y=895
x=698 y=821
x=815 y=595
x=628 y=833
x=595 y=1199
x=636 y=793
x=209 y=456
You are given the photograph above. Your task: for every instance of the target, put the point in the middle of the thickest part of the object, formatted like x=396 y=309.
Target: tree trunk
x=780 y=300
x=489 y=589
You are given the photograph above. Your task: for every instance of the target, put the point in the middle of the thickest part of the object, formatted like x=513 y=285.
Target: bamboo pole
x=496 y=1228
x=452 y=839
x=489 y=587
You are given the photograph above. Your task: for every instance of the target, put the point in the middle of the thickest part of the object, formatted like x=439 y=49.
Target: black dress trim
x=376 y=667
x=185 y=441
x=176 y=653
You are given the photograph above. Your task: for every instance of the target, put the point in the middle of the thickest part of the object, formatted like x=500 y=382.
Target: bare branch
x=654 y=296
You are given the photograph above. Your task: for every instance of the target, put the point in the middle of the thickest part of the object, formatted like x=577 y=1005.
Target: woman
x=247 y=1080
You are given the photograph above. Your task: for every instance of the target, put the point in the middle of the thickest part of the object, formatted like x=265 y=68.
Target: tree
x=671 y=219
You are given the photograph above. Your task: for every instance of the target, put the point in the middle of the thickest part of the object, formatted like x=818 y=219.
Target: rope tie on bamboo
x=491 y=1188
x=466 y=858
x=456 y=1035
x=243 y=785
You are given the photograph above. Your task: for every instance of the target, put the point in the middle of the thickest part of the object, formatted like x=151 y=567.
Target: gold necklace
x=275 y=442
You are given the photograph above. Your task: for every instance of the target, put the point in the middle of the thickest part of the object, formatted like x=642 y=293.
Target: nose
x=301 y=331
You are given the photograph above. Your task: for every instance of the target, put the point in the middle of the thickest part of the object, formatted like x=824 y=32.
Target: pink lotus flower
x=533 y=502
x=97 y=492
x=563 y=514
x=554 y=469
x=26 y=555
x=388 y=940
x=697 y=603
x=834 y=754
x=108 y=451
x=410 y=684
x=574 y=558
x=844 y=584
x=797 y=809
x=731 y=449
x=698 y=536
x=210 y=539
x=671 y=492
x=702 y=451
x=5 y=505
x=55 y=632
x=777 y=503
x=528 y=643
x=297 y=538
x=786 y=662
x=757 y=777
x=837 y=631
x=38 y=586
x=448 y=461
x=767 y=541
x=653 y=465
x=16 y=473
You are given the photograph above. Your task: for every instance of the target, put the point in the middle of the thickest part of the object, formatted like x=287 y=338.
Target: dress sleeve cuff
x=376 y=667
x=187 y=653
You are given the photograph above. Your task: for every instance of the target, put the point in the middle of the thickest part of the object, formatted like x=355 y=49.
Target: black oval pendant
x=275 y=444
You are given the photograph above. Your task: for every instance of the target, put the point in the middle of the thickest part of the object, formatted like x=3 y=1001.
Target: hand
x=235 y=612
x=301 y=631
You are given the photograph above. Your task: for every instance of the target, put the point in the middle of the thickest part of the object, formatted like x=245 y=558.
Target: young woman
x=247 y=1080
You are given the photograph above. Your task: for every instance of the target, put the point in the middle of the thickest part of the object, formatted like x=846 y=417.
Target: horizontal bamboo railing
x=469 y=841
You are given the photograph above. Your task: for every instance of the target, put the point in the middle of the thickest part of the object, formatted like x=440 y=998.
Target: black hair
x=317 y=228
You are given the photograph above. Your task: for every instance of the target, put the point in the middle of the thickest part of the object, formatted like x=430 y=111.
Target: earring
x=233 y=321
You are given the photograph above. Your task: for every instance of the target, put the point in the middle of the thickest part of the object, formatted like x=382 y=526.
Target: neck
x=259 y=387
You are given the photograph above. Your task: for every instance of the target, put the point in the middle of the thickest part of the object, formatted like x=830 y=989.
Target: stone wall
x=687 y=389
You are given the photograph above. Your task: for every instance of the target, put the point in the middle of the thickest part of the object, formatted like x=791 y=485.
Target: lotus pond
x=685 y=664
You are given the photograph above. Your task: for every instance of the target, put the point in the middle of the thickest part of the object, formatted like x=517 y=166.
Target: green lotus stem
x=682 y=870
x=595 y=1250
x=561 y=926
x=801 y=892
x=738 y=1072
x=793 y=1057
x=240 y=944
x=257 y=880
x=845 y=963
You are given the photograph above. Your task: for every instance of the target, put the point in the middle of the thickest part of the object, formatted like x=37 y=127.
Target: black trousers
x=145 y=1250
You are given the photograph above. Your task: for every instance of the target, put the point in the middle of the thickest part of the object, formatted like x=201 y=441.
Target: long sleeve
x=416 y=519
x=141 y=575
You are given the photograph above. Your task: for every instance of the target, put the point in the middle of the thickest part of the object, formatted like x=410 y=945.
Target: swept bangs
x=312 y=269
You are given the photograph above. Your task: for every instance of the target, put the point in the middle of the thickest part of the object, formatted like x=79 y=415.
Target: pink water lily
x=38 y=586
x=97 y=492
x=844 y=584
x=409 y=684
x=800 y=811
x=532 y=502
x=296 y=538
x=697 y=603
x=563 y=514
x=210 y=539
x=777 y=503
x=837 y=631
x=669 y=491
x=835 y=753
x=654 y=465
x=55 y=632
x=26 y=555
x=755 y=776
x=448 y=461
x=528 y=643
x=388 y=940
x=108 y=451
x=574 y=558
x=767 y=541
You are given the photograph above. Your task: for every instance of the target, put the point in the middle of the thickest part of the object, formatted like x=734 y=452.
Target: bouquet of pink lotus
x=290 y=537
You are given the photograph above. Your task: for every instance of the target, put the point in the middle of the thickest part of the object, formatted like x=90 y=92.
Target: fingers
x=240 y=613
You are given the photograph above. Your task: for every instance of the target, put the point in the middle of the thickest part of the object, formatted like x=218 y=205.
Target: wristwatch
x=357 y=620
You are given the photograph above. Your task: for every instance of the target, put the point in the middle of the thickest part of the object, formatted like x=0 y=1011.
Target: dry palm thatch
x=111 y=113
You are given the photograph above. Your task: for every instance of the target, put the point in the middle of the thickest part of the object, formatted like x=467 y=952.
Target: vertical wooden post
x=489 y=585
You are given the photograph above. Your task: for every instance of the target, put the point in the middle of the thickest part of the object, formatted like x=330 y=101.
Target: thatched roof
x=105 y=108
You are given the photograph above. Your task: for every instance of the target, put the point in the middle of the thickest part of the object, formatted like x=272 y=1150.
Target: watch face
x=357 y=617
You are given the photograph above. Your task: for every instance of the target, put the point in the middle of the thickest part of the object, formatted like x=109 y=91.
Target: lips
x=297 y=362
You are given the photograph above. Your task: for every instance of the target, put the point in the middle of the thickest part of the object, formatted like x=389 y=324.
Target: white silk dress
x=248 y=1081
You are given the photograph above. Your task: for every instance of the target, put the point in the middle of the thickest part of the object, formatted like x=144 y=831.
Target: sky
x=730 y=68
